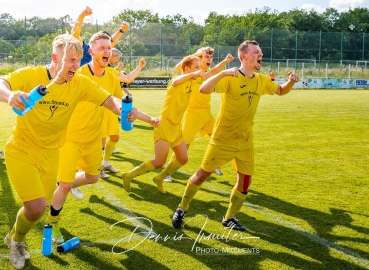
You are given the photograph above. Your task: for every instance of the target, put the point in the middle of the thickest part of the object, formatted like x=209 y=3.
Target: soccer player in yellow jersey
x=169 y=133
x=76 y=32
x=232 y=138
x=32 y=153
x=82 y=148
x=198 y=116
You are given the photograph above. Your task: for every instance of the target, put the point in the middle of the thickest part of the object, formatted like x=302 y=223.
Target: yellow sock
x=172 y=167
x=236 y=201
x=109 y=148
x=190 y=191
x=22 y=226
x=141 y=169
x=53 y=219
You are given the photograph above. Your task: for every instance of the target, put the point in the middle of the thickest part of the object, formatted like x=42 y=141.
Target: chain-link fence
x=312 y=54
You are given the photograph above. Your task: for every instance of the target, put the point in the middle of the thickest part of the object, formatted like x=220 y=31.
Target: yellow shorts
x=33 y=172
x=86 y=157
x=242 y=156
x=110 y=124
x=171 y=133
x=197 y=121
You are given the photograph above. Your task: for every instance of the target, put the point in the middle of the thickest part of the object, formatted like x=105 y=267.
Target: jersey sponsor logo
x=188 y=93
x=52 y=108
x=53 y=102
x=250 y=96
x=242 y=86
x=53 y=105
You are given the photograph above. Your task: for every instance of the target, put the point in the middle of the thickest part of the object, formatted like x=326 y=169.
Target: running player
x=83 y=138
x=198 y=116
x=32 y=153
x=232 y=138
x=169 y=133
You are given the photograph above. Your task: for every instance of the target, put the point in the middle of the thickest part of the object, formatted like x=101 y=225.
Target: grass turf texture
x=307 y=204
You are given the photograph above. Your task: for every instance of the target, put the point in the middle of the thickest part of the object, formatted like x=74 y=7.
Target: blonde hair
x=188 y=60
x=244 y=46
x=99 y=35
x=207 y=50
x=115 y=51
x=68 y=40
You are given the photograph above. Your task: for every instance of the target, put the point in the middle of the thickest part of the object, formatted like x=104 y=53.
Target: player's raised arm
x=76 y=30
x=132 y=75
x=208 y=86
x=187 y=76
x=287 y=86
x=116 y=36
x=219 y=67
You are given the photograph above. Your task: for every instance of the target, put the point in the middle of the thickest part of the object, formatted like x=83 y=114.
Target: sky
x=104 y=10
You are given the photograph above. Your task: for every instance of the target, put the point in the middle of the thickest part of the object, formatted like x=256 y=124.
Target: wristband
x=120 y=30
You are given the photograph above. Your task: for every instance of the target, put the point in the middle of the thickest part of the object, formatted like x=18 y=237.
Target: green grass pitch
x=307 y=207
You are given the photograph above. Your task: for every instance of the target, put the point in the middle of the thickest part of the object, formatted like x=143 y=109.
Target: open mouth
x=71 y=73
x=259 y=61
x=105 y=59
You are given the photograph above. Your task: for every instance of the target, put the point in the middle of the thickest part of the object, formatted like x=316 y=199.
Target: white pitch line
x=350 y=254
x=116 y=202
x=142 y=228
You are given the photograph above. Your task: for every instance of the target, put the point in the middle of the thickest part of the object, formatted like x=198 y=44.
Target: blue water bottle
x=47 y=242
x=68 y=245
x=127 y=106
x=35 y=95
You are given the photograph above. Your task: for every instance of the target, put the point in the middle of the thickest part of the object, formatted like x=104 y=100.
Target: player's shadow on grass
x=323 y=223
x=278 y=234
x=114 y=179
x=143 y=127
x=119 y=158
x=132 y=259
x=227 y=183
x=215 y=209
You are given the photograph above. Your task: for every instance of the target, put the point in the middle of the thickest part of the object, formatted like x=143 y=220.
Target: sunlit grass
x=307 y=203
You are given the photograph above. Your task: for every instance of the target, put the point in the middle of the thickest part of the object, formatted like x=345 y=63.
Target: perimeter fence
x=311 y=54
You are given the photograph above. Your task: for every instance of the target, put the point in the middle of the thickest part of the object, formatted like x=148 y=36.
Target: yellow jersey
x=118 y=94
x=85 y=123
x=197 y=99
x=240 y=99
x=45 y=126
x=176 y=101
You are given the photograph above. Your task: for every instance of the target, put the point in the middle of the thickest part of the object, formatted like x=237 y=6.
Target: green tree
x=330 y=20
x=137 y=19
x=302 y=20
x=354 y=20
x=10 y=29
x=5 y=46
